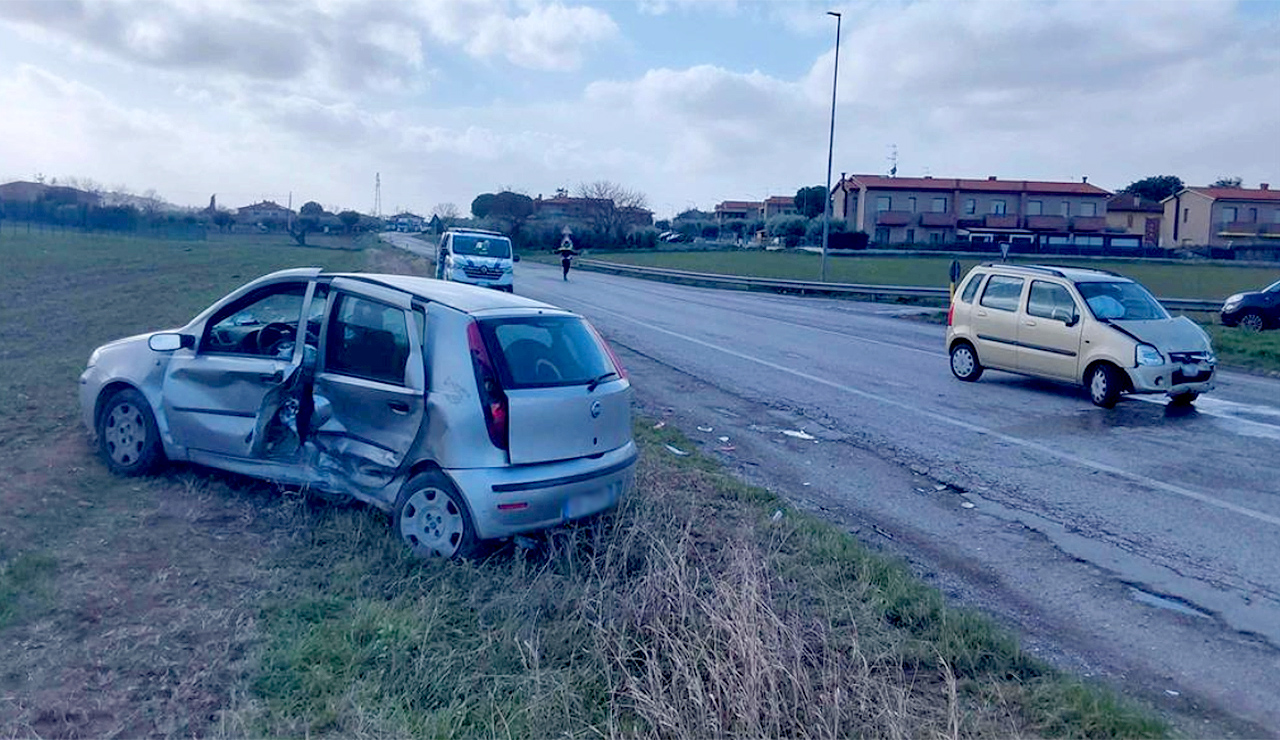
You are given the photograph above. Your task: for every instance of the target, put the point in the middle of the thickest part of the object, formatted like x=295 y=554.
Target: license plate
x=588 y=503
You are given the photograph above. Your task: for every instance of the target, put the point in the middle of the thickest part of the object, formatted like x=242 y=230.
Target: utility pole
x=831 y=143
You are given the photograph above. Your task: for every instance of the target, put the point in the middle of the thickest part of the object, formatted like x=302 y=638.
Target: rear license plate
x=588 y=503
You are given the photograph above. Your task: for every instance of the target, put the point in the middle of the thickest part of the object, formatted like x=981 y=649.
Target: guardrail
x=801 y=287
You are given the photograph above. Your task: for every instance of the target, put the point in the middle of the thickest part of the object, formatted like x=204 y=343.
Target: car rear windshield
x=479 y=245
x=545 y=351
x=1116 y=301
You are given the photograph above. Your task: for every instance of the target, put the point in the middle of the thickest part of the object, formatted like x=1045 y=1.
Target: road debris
x=660 y=425
x=968 y=505
x=1171 y=692
x=777 y=516
x=798 y=434
x=881 y=532
x=940 y=487
x=706 y=429
x=723 y=439
x=727 y=448
x=676 y=451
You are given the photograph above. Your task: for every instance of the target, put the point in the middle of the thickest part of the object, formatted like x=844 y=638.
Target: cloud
x=341 y=43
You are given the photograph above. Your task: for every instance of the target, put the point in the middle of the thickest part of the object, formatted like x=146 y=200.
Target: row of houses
x=1046 y=215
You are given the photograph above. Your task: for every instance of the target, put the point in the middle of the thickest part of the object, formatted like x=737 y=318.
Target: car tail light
x=492 y=400
x=617 y=364
x=951 y=312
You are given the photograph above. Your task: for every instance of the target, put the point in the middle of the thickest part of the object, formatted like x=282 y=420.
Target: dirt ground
x=147 y=624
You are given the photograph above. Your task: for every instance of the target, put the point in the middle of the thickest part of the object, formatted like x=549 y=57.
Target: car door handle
x=399 y=407
x=275 y=377
x=1028 y=323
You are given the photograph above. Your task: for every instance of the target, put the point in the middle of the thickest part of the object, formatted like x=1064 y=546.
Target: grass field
x=200 y=603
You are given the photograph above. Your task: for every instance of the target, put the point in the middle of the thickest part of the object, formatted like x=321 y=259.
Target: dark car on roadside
x=1254 y=310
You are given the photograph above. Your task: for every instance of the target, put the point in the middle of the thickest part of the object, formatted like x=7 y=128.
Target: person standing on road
x=565 y=261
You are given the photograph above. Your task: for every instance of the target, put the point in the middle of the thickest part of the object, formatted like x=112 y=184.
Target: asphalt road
x=1140 y=545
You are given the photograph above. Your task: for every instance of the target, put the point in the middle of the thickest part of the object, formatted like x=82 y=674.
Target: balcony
x=894 y=218
x=1240 y=228
x=938 y=220
x=1089 y=223
x=1047 y=223
x=995 y=221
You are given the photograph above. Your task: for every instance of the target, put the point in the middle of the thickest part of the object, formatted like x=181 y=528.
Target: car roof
x=460 y=296
x=486 y=232
x=1074 y=274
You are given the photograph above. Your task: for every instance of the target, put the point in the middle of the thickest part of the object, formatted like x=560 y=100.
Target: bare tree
x=612 y=205
x=448 y=213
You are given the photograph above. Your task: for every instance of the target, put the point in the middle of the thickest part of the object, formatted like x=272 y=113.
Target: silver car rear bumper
x=508 y=501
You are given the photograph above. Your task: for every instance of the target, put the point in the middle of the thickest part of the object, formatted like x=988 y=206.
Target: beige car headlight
x=1145 y=354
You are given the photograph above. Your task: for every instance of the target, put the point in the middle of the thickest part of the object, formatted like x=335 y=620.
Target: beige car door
x=995 y=322
x=1049 y=331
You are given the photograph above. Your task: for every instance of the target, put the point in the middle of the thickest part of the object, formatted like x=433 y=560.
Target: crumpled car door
x=370 y=386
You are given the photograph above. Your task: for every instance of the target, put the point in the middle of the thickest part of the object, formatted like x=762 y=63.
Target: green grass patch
x=692 y=611
x=24 y=582
x=1194 y=280
x=1245 y=349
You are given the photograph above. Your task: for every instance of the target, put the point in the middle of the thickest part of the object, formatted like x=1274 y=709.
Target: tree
x=1156 y=187
x=307 y=221
x=610 y=205
x=349 y=220
x=481 y=206
x=791 y=228
x=223 y=219
x=446 y=214
x=811 y=201
x=1227 y=182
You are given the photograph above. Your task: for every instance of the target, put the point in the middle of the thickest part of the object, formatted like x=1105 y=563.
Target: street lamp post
x=831 y=143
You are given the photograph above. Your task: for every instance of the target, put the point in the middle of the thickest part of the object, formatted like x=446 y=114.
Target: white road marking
x=976 y=428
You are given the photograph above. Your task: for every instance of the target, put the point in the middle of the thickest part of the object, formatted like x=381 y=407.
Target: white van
x=476 y=257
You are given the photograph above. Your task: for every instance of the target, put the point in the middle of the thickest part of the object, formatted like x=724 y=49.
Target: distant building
x=779 y=205
x=1221 y=217
x=928 y=210
x=266 y=213
x=583 y=211
x=737 y=210
x=1134 y=216
x=407 y=222
x=31 y=192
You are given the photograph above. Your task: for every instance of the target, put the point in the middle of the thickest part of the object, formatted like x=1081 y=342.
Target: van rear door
x=565 y=397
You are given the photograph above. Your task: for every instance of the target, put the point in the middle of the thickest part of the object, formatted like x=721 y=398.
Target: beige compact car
x=1089 y=327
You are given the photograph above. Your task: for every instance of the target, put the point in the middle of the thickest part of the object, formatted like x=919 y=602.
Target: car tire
x=433 y=520
x=1252 y=321
x=128 y=437
x=964 y=362
x=1183 y=399
x=1103 y=385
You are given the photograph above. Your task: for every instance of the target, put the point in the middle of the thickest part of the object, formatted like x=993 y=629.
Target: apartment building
x=1221 y=217
x=929 y=210
x=779 y=205
x=737 y=210
x=1136 y=217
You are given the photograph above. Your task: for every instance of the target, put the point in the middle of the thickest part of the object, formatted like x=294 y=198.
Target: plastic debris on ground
x=706 y=429
x=660 y=425
x=723 y=439
x=969 y=505
x=676 y=451
x=798 y=434
x=777 y=516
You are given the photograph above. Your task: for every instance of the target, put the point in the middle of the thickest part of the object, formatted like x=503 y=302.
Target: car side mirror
x=1072 y=320
x=170 y=341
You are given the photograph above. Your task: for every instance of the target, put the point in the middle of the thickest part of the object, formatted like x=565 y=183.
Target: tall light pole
x=831 y=143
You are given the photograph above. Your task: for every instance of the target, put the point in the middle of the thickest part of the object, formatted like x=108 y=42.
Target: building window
x=939 y=205
x=1088 y=209
x=970 y=206
x=1229 y=214
x=882 y=235
x=911 y=204
x=1035 y=207
x=1066 y=208
x=1088 y=241
x=1253 y=215
x=1185 y=213
x=883 y=203
x=997 y=208
x=911 y=234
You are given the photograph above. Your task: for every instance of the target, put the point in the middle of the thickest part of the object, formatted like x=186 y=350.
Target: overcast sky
x=688 y=101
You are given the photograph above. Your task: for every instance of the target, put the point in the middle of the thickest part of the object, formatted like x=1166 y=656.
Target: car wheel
x=1252 y=321
x=433 y=520
x=128 y=437
x=964 y=362
x=1104 y=385
x=1183 y=399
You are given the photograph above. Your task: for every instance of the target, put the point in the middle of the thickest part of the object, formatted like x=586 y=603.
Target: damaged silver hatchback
x=466 y=413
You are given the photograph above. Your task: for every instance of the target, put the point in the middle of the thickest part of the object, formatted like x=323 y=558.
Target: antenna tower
x=377 y=195
x=893 y=160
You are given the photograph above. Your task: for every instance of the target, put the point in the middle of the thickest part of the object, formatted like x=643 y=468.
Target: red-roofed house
x=730 y=210
x=1221 y=217
x=929 y=210
x=779 y=205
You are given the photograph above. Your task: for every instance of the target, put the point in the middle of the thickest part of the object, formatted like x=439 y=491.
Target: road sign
x=1004 y=251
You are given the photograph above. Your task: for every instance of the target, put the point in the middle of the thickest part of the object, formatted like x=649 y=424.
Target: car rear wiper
x=600 y=379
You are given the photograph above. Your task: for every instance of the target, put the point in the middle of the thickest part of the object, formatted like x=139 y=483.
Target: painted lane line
x=975 y=428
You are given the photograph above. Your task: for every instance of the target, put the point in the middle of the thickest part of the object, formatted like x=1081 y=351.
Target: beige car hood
x=1179 y=334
